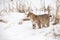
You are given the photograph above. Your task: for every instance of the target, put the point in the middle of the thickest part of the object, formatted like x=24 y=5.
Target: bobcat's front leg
x=34 y=26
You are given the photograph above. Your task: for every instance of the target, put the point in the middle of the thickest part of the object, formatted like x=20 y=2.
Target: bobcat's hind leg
x=48 y=24
x=43 y=25
x=39 y=25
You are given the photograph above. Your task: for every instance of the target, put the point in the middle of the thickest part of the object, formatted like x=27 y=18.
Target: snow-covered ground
x=12 y=30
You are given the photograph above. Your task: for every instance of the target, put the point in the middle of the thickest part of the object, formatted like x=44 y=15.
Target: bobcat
x=44 y=19
x=40 y=20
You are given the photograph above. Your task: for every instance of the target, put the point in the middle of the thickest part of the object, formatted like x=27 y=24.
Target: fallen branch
x=26 y=19
x=2 y=21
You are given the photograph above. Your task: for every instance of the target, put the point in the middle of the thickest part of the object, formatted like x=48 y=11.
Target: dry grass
x=56 y=20
x=20 y=8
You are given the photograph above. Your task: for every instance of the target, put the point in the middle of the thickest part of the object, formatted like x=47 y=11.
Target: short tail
x=50 y=15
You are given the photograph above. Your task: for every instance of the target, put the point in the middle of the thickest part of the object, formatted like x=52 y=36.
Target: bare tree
x=56 y=21
x=48 y=9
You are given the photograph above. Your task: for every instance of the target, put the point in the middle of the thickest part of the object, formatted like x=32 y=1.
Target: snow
x=12 y=30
